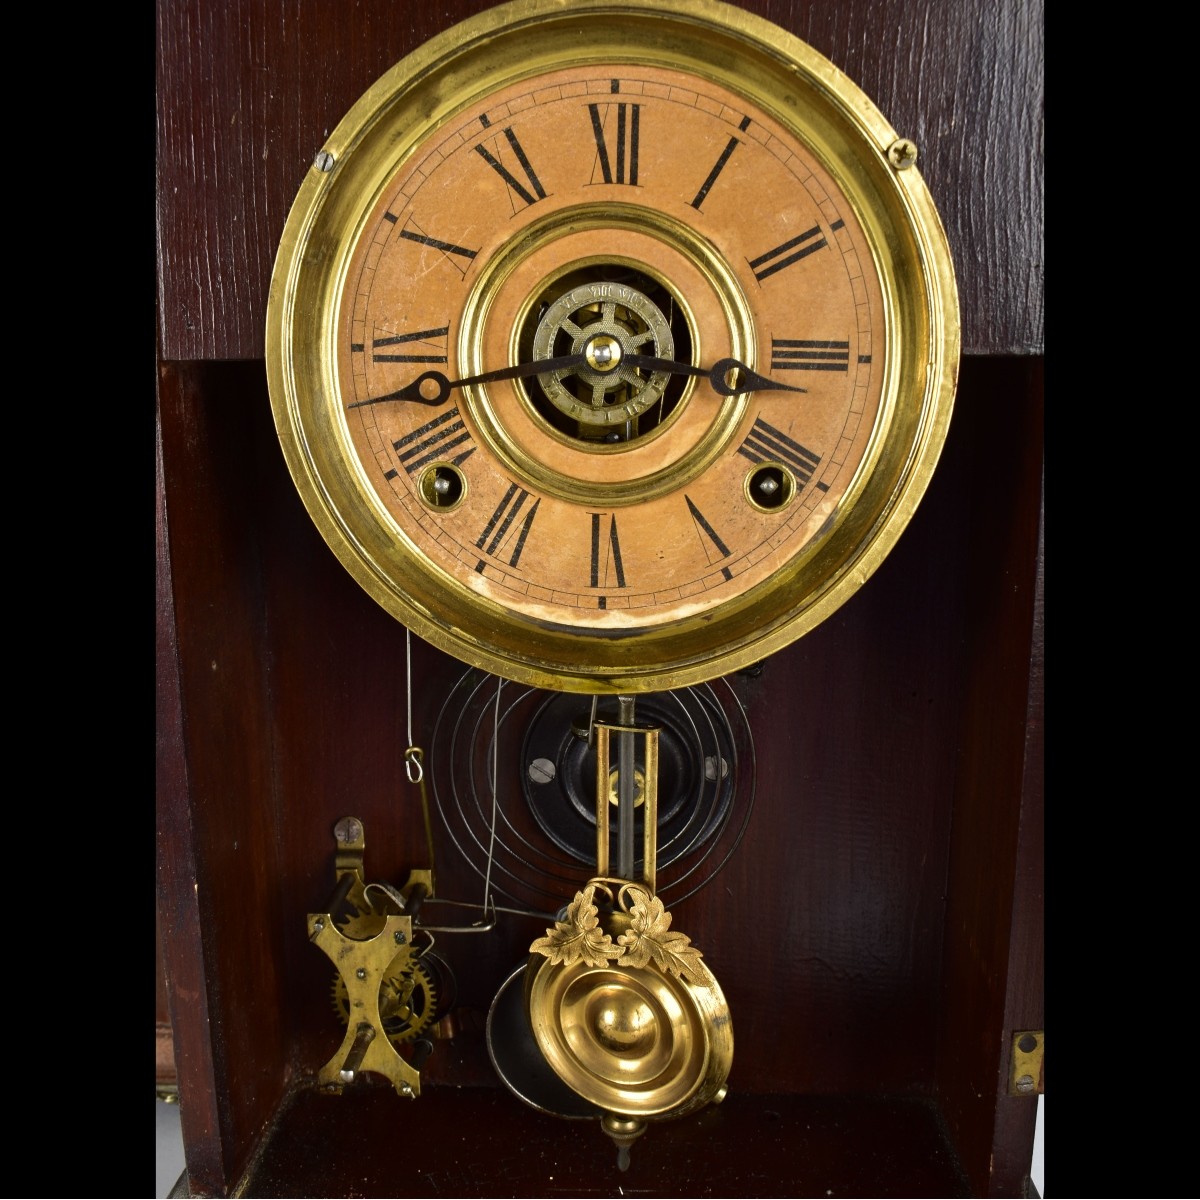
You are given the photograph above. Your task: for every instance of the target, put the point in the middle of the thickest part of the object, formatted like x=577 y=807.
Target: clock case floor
x=460 y=1141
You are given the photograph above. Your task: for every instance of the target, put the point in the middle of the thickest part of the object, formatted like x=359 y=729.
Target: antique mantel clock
x=611 y=346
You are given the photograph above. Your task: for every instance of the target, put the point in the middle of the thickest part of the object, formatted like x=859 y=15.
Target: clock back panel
x=833 y=925
x=871 y=902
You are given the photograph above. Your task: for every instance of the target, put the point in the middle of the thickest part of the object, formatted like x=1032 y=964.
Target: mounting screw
x=348 y=831
x=324 y=161
x=361 y=973
x=715 y=768
x=902 y=154
x=1025 y=1085
x=541 y=770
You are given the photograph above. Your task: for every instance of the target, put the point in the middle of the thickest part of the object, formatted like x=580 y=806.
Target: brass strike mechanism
x=369 y=949
x=382 y=987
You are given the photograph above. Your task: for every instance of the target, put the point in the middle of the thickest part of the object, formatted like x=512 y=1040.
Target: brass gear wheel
x=408 y=1002
x=360 y=927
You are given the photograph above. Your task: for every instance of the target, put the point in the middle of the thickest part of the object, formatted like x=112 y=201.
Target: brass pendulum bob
x=623 y=1008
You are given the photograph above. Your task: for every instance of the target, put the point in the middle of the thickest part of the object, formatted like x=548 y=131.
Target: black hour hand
x=434 y=388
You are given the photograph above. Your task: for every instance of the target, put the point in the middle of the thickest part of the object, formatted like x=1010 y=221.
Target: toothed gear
x=361 y=926
x=357 y=920
x=407 y=1002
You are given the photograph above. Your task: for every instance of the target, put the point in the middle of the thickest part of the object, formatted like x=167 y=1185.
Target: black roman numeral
x=444 y=437
x=709 y=538
x=765 y=443
x=516 y=186
x=499 y=538
x=621 y=165
x=606 y=561
x=785 y=255
x=421 y=354
x=719 y=165
x=797 y=354
x=447 y=248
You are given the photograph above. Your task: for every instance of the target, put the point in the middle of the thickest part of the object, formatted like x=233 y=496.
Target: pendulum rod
x=625 y=787
x=603 y=734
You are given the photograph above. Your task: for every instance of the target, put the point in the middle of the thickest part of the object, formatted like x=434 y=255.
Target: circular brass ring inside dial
x=595 y=236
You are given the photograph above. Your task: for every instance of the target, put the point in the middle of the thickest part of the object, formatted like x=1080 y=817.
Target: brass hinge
x=1028 y=1074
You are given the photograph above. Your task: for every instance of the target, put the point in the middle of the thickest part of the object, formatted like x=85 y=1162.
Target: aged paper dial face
x=641 y=212
x=618 y=369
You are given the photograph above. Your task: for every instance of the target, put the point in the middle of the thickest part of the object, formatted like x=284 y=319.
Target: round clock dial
x=619 y=362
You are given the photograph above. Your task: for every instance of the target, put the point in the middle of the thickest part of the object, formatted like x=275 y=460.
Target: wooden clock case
x=879 y=930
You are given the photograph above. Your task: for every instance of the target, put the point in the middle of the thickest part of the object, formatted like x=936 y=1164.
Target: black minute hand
x=717 y=375
x=418 y=392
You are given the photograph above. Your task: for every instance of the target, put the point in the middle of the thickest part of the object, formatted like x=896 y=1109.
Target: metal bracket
x=1028 y=1063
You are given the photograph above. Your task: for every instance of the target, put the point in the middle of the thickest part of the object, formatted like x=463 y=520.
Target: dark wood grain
x=247 y=92
x=993 y=980
x=166 y=1078
x=465 y=1143
x=183 y=960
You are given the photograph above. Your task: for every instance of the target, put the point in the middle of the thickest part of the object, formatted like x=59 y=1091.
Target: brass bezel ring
x=796 y=87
